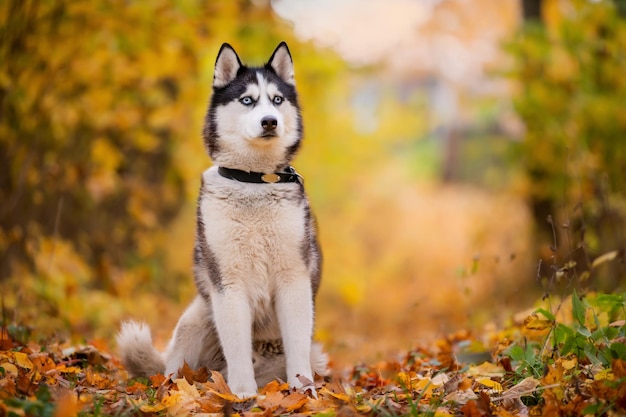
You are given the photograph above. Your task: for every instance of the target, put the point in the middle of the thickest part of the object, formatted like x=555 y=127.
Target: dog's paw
x=243 y=390
x=245 y=394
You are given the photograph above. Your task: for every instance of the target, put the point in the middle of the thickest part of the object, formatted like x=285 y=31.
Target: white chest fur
x=256 y=231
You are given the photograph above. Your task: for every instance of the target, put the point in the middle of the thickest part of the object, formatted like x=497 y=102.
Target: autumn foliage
x=101 y=105
x=568 y=359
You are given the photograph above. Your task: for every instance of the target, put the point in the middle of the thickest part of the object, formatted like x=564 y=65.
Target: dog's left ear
x=282 y=64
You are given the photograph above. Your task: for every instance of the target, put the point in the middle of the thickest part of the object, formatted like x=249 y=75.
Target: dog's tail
x=137 y=352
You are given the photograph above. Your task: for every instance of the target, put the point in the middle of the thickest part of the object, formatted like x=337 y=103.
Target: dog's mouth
x=268 y=135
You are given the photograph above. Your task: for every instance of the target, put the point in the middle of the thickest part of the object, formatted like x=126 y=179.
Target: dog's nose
x=269 y=123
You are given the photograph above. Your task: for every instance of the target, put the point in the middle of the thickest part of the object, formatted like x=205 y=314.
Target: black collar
x=290 y=175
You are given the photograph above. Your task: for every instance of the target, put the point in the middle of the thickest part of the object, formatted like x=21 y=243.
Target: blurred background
x=463 y=157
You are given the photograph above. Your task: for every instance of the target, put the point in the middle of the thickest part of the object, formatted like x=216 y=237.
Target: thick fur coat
x=256 y=256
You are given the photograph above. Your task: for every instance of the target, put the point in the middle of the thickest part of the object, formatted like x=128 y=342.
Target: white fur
x=245 y=231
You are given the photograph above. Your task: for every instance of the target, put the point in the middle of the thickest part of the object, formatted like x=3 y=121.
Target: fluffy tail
x=137 y=353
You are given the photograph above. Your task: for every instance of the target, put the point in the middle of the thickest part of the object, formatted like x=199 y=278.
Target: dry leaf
x=270 y=401
x=294 y=401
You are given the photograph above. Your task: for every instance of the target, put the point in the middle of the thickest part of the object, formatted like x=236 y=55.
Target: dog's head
x=253 y=122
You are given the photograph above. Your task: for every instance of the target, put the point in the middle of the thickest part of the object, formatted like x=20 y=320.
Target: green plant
x=527 y=360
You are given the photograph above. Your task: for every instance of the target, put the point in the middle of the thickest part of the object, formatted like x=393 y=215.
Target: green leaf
x=592 y=409
x=530 y=355
x=578 y=308
x=610 y=302
x=606 y=333
x=591 y=352
x=517 y=353
x=562 y=333
x=618 y=350
x=545 y=313
x=584 y=331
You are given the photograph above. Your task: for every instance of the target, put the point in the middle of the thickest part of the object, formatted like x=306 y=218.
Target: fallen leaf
x=490 y=383
x=193 y=375
x=486 y=369
x=157 y=380
x=619 y=368
x=270 y=401
x=9 y=369
x=218 y=383
x=294 y=401
x=211 y=402
x=274 y=386
x=481 y=407
x=511 y=398
x=21 y=359
x=461 y=397
x=186 y=388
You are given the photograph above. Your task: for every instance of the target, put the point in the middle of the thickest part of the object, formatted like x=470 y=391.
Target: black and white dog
x=256 y=257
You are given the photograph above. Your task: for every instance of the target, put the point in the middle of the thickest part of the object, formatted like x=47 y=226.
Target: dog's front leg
x=233 y=319
x=294 y=308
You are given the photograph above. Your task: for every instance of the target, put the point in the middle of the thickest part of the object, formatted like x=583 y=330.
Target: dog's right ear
x=227 y=65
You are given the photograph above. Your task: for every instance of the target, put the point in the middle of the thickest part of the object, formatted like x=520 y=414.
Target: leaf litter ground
x=501 y=374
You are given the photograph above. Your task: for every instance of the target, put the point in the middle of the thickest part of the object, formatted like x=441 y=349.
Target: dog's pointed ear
x=227 y=65
x=282 y=64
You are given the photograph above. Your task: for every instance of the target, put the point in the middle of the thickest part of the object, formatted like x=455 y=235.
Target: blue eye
x=246 y=101
x=277 y=100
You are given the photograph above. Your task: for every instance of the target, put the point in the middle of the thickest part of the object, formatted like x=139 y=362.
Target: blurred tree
x=100 y=111
x=571 y=89
x=90 y=108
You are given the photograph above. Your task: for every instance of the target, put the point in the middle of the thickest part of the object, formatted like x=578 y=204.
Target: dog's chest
x=256 y=231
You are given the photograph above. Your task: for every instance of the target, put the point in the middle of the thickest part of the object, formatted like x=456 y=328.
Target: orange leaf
x=200 y=375
x=211 y=402
x=157 y=380
x=294 y=401
x=218 y=384
x=270 y=401
x=619 y=368
x=274 y=386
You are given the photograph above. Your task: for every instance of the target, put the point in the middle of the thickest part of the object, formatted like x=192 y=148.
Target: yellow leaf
x=536 y=326
x=21 y=360
x=9 y=369
x=186 y=388
x=568 y=364
x=490 y=383
x=338 y=395
x=604 y=375
x=486 y=369
x=148 y=408
x=69 y=369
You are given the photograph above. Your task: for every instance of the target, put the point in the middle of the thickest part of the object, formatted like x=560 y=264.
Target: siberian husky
x=256 y=256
